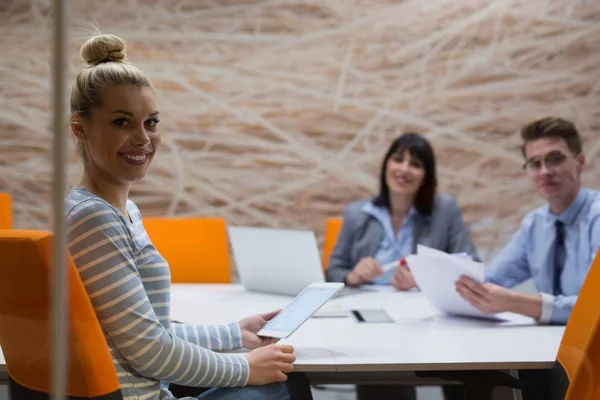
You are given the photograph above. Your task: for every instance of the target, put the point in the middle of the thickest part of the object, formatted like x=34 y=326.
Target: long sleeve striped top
x=128 y=283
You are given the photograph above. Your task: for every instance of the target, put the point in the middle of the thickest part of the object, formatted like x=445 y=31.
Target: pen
x=394 y=264
x=404 y=263
x=390 y=266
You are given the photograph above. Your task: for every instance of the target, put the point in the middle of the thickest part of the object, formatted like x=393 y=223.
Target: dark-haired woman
x=407 y=211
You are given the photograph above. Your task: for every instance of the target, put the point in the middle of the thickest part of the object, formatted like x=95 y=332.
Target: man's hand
x=487 y=297
x=403 y=279
x=251 y=325
x=492 y=299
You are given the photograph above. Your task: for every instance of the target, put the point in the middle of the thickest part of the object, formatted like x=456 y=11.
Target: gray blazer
x=361 y=235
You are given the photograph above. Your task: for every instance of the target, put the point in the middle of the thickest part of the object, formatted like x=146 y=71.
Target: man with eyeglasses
x=554 y=245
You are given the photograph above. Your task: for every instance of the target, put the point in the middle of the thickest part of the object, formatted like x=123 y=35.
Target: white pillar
x=58 y=275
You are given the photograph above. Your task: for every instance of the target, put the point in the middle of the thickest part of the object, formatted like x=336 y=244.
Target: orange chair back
x=25 y=321
x=579 y=353
x=5 y=211
x=197 y=249
x=332 y=230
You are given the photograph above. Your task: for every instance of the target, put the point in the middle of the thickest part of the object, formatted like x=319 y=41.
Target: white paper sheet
x=424 y=250
x=436 y=273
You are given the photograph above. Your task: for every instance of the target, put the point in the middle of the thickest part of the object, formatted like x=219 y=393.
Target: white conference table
x=420 y=339
x=342 y=350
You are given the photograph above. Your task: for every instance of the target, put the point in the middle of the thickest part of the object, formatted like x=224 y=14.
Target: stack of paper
x=436 y=273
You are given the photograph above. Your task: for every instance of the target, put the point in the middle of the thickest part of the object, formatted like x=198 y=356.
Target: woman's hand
x=365 y=271
x=270 y=364
x=251 y=325
x=403 y=279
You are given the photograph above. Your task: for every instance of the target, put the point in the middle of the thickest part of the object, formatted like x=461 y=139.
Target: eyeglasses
x=552 y=160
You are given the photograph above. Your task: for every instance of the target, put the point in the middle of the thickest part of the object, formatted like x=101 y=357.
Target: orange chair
x=332 y=230
x=577 y=369
x=197 y=249
x=25 y=324
x=5 y=211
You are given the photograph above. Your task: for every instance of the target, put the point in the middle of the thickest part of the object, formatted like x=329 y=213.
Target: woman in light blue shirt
x=406 y=212
x=383 y=229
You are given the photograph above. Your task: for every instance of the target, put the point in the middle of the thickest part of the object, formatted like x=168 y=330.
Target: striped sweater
x=128 y=283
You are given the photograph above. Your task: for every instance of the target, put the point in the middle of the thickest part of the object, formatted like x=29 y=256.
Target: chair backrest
x=25 y=323
x=196 y=249
x=5 y=211
x=577 y=368
x=332 y=230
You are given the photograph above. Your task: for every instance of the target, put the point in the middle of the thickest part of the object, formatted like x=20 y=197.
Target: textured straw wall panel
x=277 y=113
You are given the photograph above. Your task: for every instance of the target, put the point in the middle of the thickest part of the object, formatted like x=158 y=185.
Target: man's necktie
x=559 y=255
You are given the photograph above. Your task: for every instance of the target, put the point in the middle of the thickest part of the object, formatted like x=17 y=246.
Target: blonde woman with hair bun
x=115 y=122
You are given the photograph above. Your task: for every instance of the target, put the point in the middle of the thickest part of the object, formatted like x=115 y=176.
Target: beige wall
x=277 y=112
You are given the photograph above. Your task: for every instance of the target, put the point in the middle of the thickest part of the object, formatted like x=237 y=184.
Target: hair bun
x=102 y=49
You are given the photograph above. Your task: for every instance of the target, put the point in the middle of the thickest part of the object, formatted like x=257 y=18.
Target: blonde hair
x=107 y=65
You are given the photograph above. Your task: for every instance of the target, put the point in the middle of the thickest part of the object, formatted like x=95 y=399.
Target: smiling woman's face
x=404 y=173
x=122 y=135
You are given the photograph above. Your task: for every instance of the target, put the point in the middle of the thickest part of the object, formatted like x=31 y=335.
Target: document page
x=436 y=272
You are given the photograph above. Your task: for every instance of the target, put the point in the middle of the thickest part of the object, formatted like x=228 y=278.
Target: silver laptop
x=280 y=261
x=277 y=261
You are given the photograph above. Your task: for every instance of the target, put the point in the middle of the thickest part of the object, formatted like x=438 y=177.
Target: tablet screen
x=300 y=309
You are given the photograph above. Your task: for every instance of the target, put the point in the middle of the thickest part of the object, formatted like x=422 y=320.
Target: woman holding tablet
x=115 y=122
x=378 y=232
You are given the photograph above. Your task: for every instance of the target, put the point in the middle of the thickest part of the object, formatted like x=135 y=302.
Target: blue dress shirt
x=530 y=254
x=392 y=247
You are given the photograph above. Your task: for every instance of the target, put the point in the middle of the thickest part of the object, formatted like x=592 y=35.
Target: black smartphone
x=371 y=315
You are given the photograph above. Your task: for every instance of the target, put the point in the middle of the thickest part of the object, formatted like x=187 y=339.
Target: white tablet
x=313 y=297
